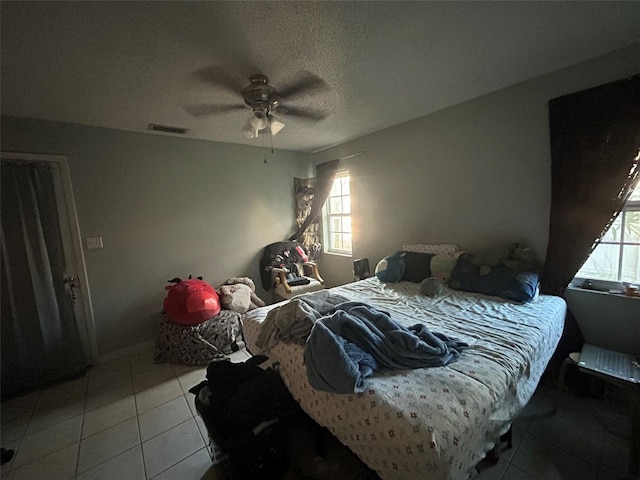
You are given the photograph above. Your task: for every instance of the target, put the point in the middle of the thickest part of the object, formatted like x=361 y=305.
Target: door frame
x=83 y=308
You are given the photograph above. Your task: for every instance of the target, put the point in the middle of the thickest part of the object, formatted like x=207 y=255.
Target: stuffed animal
x=523 y=259
x=442 y=265
x=190 y=302
x=431 y=287
x=238 y=294
x=391 y=268
x=236 y=297
x=490 y=258
x=514 y=256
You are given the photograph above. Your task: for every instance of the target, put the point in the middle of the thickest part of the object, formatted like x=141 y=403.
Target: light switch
x=94 y=242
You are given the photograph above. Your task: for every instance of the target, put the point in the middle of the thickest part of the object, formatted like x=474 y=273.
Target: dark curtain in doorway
x=40 y=339
x=595 y=140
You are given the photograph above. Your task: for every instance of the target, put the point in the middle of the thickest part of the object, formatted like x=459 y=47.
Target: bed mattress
x=434 y=423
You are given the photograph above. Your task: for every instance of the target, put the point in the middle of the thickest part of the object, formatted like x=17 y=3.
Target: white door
x=74 y=269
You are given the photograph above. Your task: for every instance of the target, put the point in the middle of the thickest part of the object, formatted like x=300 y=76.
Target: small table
x=633 y=392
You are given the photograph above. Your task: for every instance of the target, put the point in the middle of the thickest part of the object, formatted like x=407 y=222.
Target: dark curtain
x=595 y=140
x=303 y=194
x=325 y=174
x=40 y=338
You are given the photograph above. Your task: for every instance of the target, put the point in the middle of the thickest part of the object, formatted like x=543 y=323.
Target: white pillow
x=434 y=248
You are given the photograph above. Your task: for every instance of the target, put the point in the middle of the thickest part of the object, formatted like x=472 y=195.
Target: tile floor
x=132 y=419
x=588 y=439
x=127 y=419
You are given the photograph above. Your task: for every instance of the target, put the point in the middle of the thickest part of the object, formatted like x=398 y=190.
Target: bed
x=432 y=423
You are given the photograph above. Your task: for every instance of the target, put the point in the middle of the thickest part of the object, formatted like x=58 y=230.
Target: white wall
x=611 y=321
x=165 y=207
x=476 y=174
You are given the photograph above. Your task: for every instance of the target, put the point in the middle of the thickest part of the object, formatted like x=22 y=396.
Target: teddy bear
x=236 y=297
x=238 y=294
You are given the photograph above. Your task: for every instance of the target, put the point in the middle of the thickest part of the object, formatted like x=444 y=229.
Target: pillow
x=434 y=248
x=442 y=265
x=416 y=266
x=391 y=268
x=501 y=281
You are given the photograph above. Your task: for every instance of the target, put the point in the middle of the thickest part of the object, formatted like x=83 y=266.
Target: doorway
x=47 y=323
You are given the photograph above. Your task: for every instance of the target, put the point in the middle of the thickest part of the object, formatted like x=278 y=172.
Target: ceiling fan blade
x=307 y=83
x=204 y=110
x=221 y=78
x=302 y=113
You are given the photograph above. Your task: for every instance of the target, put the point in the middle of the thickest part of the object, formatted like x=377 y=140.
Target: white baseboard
x=127 y=352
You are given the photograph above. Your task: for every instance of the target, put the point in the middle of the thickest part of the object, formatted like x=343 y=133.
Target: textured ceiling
x=127 y=64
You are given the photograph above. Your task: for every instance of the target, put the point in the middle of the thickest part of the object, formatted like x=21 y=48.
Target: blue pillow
x=501 y=281
x=391 y=268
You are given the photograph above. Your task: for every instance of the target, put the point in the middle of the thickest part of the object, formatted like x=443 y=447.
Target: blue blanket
x=347 y=346
x=292 y=321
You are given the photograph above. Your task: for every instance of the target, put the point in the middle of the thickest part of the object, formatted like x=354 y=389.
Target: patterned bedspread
x=433 y=423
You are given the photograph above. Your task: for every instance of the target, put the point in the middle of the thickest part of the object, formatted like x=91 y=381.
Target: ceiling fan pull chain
x=271 y=136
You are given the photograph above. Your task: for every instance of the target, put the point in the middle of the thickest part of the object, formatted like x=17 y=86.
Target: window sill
x=616 y=292
x=338 y=254
x=606 y=286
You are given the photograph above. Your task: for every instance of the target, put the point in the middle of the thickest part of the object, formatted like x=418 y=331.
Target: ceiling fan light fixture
x=259 y=119
x=276 y=125
x=262 y=98
x=249 y=130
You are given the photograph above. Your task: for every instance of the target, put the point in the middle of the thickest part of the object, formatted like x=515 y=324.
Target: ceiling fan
x=262 y=98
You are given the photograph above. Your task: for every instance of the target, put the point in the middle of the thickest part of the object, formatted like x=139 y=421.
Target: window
x=337 y=216
x=617 y=256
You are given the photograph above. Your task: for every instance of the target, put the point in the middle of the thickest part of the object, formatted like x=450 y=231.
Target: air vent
x=166 y=129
